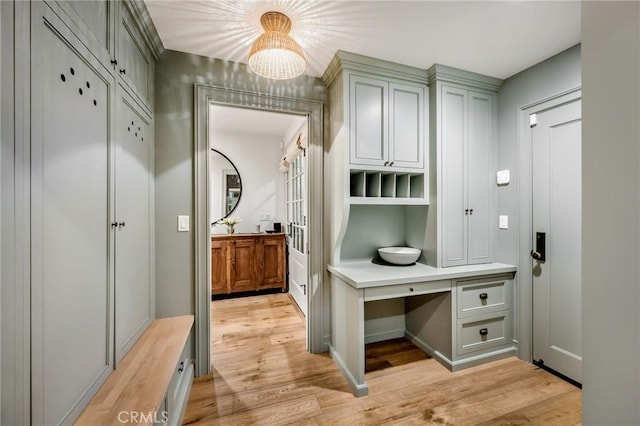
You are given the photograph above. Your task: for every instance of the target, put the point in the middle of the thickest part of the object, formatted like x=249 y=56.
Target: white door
x=556 y=252
x=297 y=231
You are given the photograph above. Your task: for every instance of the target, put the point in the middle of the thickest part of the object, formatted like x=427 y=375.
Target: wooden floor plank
x=263 y=375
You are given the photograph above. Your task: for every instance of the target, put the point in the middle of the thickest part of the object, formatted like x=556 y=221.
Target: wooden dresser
x=247 y=262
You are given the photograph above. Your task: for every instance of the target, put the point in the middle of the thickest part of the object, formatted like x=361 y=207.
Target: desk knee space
x=152 y=382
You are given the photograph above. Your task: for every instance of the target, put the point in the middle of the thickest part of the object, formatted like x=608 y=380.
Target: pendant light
x=275 y=54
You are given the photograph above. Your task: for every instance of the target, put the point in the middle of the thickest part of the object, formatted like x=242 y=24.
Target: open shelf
x=376 y=187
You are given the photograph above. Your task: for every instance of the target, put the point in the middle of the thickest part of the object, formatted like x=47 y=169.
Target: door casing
x=205 y=96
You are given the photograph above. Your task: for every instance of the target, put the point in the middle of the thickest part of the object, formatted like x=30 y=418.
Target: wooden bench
x=152 y=382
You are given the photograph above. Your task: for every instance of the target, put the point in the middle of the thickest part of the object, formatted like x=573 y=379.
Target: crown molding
x=355 y=62
x=444 y=73
x=143 y=18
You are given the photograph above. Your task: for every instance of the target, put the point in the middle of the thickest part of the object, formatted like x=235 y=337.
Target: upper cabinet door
x=368 y=118
x=135 y=62
x=406 y=125
x=480 y=178
x=94 y=24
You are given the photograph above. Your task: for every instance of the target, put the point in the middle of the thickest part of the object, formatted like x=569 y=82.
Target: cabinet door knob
x=483 y=296
x=410 y=288
x=466 y=211
x=114 y=225
x=484 y=331
x=114 y=62
x=122 y=224
x=123 y=71
x=181 y=368
x=386 y=163
x=470 y=211
x=391 y=164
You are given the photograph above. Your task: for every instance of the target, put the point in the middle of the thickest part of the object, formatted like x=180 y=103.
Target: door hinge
x=533 y=120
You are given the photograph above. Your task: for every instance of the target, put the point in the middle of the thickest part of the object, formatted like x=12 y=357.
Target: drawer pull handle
x=484 y=331
x=181 y=368
x=483 y=296
x=410 y=288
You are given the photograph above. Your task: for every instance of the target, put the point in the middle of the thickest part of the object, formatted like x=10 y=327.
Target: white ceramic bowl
x=399 y=255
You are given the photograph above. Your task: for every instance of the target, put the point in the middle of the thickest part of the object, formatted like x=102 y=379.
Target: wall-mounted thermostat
x=503 y=177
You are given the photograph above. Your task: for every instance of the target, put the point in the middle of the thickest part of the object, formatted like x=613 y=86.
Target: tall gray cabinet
x=91 y=176
x=462 y=223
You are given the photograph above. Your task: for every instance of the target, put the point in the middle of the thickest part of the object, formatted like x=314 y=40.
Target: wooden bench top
x=140 y=381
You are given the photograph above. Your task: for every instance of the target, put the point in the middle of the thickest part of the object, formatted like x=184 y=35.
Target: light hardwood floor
x=263 y=375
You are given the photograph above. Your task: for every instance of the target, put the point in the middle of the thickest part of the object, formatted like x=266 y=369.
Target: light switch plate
x=503 y=177
x=504 y=222
x=183 y=223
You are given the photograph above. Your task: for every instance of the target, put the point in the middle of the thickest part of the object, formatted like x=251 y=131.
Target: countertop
x=245 y=234
x=363 y=274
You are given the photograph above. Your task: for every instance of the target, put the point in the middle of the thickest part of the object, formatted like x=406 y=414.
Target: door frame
x=204 y=96
x=523 y=291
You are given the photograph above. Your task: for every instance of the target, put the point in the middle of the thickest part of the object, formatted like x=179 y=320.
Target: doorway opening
x=312 y=112
x=257 y=203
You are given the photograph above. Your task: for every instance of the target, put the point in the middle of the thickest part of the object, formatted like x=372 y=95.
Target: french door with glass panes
x=297 y=231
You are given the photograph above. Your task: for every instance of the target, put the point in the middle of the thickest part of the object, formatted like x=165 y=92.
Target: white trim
x=359 y=390
x=523 y=292
x=204 y=96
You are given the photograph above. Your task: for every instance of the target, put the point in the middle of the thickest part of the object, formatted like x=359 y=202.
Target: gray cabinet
x=483 y=316
x=134 y=61
x=133 y=222
x=113 y=33
x=467 y=136
x=71 y=271
x=463 y=126
x=386 y=123
x=91 y=200
x=379 y=131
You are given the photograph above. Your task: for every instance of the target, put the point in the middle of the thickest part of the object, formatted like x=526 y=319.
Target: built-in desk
x=459 y=315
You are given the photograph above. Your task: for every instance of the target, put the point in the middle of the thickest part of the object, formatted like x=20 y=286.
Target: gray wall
x=548 y=78
x=176 y=74
x=555 y=75
x=611 y=212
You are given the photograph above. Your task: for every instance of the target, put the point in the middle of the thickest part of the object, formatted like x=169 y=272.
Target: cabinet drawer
x=403 y=290
x=484 y=332
x=483 y=296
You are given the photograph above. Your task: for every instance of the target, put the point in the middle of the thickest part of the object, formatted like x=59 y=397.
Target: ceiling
x=252 y=122
x=496 y=38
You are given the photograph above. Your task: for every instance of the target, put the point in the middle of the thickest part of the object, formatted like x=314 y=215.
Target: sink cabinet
x=247 y=262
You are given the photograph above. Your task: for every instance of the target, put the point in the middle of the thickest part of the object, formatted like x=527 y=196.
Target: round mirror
x=226 y=186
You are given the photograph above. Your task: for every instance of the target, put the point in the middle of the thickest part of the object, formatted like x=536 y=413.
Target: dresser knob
x=483 y=296
x=410 y=288
x=484 y=331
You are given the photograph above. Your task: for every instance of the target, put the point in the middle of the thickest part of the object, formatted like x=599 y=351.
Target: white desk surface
x=363 y=274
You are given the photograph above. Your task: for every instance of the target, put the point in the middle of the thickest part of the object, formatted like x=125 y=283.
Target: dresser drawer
x=483 y=296
x=483 y=332
x=404 y=290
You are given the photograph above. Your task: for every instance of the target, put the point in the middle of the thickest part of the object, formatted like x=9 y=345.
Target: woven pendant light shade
x=275 y=54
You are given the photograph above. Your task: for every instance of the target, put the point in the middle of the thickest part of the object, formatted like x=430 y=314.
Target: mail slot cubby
x=387 y=185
